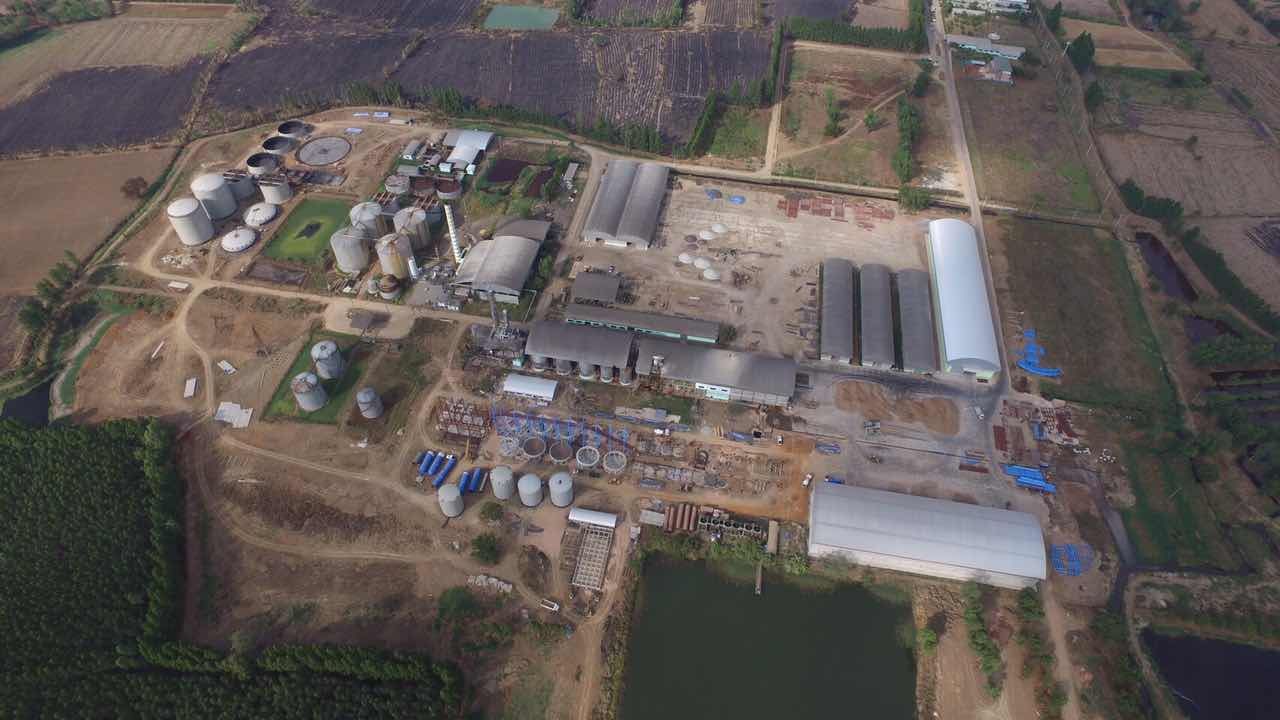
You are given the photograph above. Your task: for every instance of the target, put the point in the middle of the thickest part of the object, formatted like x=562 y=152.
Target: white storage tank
x=390 y=260
x=719 y=229
x=503 y=482
x=350 y=249
x=275 y=189
x=412 y=221
x=706 y=235
x=530 y=489
x=262 y=163
x=388 y=287
x=241 y=183
x=260 y=214
x=684 y=258
x=711 y=274
x=369 y=402
x=213 y=192
x=239 y=240
x=701 y=263
x=450 y=498
x=328 y=359
x=190 y=221
x=368 y=216
x=308 y=392
x=561 y=489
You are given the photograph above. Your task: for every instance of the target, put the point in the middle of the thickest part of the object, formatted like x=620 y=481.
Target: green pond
x=704 y=646
x=521 y=17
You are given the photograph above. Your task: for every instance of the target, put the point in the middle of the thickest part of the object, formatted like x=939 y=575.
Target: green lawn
x=304 y=237
x=740 y=133
x=341 y=391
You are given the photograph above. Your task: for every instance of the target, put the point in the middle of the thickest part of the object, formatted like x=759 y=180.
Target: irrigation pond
x=1215 y=679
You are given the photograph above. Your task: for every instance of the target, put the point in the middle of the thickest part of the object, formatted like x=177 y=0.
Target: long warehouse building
x=643 y=323
x=728 y=375
x=835 y=339
x=627 y=203
x=876 y=316
x=596 y=352
x=915 y=315
x=963 y=312
x=926 y=536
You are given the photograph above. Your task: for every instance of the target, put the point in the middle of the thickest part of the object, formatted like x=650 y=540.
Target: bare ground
x=939 y=415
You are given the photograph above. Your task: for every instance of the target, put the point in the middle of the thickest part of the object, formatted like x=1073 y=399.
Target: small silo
x=275 y=189
x=239 y=240
x=412 y=221
x=308 y=392
x=503 y=481
x=328 y=359
x=262 y=163
x=388 y=287
x=350 y=249
x=292 y=129
x=190 y=221
x=368 y=216
x=277 y=145
x=260 y=214
x=530 y=489
x=450 y=498
x=240 y=182
x=389 y=257
x=213 y=192
x=561 y=489
x=369 y=402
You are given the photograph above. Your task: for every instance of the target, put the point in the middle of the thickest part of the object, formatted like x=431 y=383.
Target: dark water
x=704 y=647
x=32 y=408
x=1166 y=270
x=1213 y=679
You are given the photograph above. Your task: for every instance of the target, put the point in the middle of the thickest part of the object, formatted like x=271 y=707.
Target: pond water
x=1165 y=268
x=1213 y=679
x=703 y=646
x=32 y=408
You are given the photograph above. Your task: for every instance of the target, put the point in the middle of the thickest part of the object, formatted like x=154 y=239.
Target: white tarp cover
x=583 y=516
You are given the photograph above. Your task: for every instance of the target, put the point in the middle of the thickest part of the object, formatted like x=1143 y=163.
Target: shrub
x=486 y=548
x=1093 y=96
x=491 y=512
x=1081 y=51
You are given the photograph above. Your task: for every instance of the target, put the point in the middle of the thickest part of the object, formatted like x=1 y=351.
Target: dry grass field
x=1124 y=46
x=136 y=38
x=1100 y=10
x=64 y=203
x=1256 y=267
x=1225 y=20
x=881 y=13
x=1253 y=69
x=857 y=79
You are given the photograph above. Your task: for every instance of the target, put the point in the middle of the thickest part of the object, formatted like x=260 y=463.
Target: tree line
x=912 y=39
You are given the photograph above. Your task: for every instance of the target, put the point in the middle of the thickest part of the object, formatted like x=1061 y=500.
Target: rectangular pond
x=1214 y=679
x=703 y=646
x=521 y=17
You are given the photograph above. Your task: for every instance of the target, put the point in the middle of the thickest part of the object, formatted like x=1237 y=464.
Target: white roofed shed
x=966 y=330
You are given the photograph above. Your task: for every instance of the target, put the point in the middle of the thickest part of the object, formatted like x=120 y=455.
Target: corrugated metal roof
x=836 y=338
x=501 y=264
x=592 y=517
x=754 y=372
x=466 y=144
x=915 y=310
x=968 y=338
x=532 y=229
x=596 y=286
x=876 y=315
x=530 y=386
x=918 y=528
x=627 y=203
x=611 y=200
x=633 y=320
x=580 y=343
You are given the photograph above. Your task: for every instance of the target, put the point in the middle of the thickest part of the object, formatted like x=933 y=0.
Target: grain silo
x=277 y=145
x=503 y=481
x=240 y=182
x=561 y=489
x=389 y=257
x=213 y=192
x=412 y=221
x=239 y=240
x=328 y=359
x=369 y=402
x=450 y=498
x=190 y=221
x=262 y=163
x=308 y=392
x=275 y=189
x=260 y=214
x=350 y=249
x=530 y=489
x=368 y=215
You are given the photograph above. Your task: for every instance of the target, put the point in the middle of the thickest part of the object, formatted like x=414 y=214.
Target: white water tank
x=241 y=183
x=190 y=221
x=706 y=235
x=328 y=359
x=503 y=482
x=262 y=163
x=275 y=189
x=412 y=221
x=308 y=392
x=239 y=240
x=213 y=192
x=350 y=249
x=368 y=215
x=701 y=263
x=369 y=402
x=561 y=489
x=260 y=214
x=530 y=489
x=450 y=498
x=390 y=259
x=711 y=274
x=684 y=258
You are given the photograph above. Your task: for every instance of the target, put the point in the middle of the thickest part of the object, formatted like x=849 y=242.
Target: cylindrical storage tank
x=586 y=371
x=292 y=129
x=560 y=452
x=615 y=461
x=190 y=221
x=277 y=145
x=328 y=359
x=241 y=183
x=560 y=487
x=213 y=192
x=701 y=263
x=435 y=217
x=239 y=240
x=448 y=189
x=450 y=498
x=588 y=457
x=530 y=489
x=719 y=229
x=404 y=246
x=626 y=375
x=397 y=184
x=706 y=235
x=684 y=258
x=711 y=274
x=388 y=287
x=260 y=214
x=262 y=163
x=389 y=258
x=308 y=392
x=275 y=189
x=350 y=249
x=412 y=221
x=533 y=447
x=503 y=482
x=369 y=402
x=368 y=216
x=564 y=367
x=606 y=373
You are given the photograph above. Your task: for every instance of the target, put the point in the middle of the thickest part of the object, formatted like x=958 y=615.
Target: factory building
x=962 y=311
x=468 y=146
x=596 y=287
x=925 y=536
x=728 y=375
x=596 y=352
x=876 y=316
x=525 y=387
x=915 y=316
x=642 y=323
x=501 y=266
x=835 y=343
x=627 y=203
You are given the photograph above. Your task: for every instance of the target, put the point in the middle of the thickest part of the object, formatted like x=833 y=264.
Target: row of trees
x=912 y=39
x=1227 y=283
x=910 y=126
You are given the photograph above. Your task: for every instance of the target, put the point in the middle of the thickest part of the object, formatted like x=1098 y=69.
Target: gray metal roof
x=627 y=203
x=836 y=339
x=876 y=315
x=611 y=199
x=580 y=343
x=919 y=528
x=532 y=229
x=596 y=286
x=755 y=372
x=915 y=312
x=501 y=264
x=643 y=321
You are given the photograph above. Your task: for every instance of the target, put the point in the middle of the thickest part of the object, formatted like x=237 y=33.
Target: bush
x=1081 y=51
x=927 y=640
x=835 y=31
x=486 y=548
x=458 y=604
x=913 y=199
x=491 y=512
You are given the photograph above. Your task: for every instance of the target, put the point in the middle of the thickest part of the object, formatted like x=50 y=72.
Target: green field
x=521 y=17
x=304 y=237
x=1171 y=521
x=341 y=391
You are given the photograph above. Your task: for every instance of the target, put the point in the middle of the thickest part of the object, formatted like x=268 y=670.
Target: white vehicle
x=808 y=478
x=551 y=605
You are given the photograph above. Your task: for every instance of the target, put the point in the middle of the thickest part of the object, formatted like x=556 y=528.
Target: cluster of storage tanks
x=309 y=392
x=394 y=238
x=502 y=480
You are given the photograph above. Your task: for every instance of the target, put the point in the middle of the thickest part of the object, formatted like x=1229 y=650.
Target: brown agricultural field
x=1099 y=10
x=1255 y=266
x=858 y=79
x=64 y=203
x=1252 y=69
x=1225 y=20
x=881 y=13
x=1124 y=46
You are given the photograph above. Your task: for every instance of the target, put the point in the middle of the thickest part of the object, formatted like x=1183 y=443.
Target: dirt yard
x=939 y=415
x=64 y=203
x=120 y=378
x=881 y=13
x=1125 y=46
